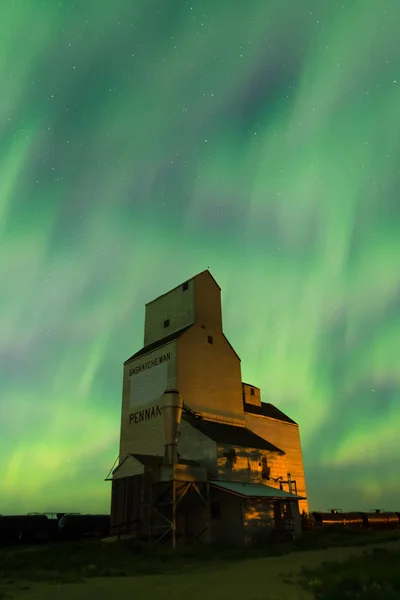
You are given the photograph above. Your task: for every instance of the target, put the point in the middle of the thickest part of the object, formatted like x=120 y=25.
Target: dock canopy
x=254 y=490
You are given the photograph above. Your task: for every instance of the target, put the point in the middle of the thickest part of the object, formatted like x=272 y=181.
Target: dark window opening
x=215 y=510
x=231 y=457
x=185 y=286
x=251 y=391
x=265 y=469
x=166 y=323
x=210 y=339
x=266 y=473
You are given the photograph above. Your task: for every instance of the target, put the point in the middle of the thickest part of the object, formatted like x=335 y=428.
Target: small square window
x=251 y=391
x=166 y=323
x=215 y=510
x=210 y=339
x=185 y=286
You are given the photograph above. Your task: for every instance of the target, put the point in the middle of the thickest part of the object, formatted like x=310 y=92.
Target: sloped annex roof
x=157 y=344
x=255 y=490
x=267 y=410
x=230 y=435
x=149 y=460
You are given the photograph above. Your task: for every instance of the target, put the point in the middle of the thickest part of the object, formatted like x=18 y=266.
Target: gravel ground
x=274 y=578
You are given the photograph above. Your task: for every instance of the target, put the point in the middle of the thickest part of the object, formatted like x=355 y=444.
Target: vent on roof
x=185 y=286
x=166 y=323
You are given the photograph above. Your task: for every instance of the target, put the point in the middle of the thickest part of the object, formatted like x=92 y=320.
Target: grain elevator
x=201 y=457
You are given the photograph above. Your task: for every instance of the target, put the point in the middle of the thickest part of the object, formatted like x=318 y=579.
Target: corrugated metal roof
x=254 y=490
x=149 y=460
x=155 y=461
x=158 y=344
x=267 y=410
x=231 y=435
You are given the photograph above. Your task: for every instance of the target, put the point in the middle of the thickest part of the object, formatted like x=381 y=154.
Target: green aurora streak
x=140 y=144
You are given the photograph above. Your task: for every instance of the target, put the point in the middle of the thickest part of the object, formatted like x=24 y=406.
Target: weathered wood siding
x=207 y=302
x=194 y=445
x=125 y=505
x=249 y=397
x=209 y=375
x=297 y=519
x=128 y=468
x=246 y=468
x=258 y=519
x=229 y=527
x=177 y=306
x=146 y=435
x=285 y=436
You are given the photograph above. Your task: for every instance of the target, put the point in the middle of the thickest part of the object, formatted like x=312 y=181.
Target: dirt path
x=259 y=579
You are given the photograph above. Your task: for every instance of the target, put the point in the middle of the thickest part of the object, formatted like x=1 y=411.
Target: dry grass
x=273 y=578
x=373 y=576
x=74 y=561
x=264 y=572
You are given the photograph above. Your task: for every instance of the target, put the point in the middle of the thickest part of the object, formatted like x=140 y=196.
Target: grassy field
x=374 y=576
x=107 y=565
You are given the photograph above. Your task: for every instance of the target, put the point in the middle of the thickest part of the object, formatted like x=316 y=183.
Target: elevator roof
x=180 y=285
x=158 y=343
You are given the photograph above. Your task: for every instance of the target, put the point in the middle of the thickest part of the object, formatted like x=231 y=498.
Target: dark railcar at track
x=380 y=520
x=327 y=519
x=74 y=527
x=24 y=529
x=353 y=519
x=337 y=519
x=372 y=520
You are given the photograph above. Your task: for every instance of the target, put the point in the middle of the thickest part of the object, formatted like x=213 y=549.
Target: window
x=231 y=457
x=185 y=286
x=265 y=469
x=251 y=391
x=166 y=323
x=266 y=473
x=215 y=509
x=210 y=339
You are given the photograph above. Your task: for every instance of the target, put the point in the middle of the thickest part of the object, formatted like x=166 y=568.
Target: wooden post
x=173 y=527
x=208 y=511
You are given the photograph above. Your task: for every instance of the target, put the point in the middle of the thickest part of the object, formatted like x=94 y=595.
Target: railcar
x=24 y=529
x=74 y=527
x=377 y=520
x=380 y=520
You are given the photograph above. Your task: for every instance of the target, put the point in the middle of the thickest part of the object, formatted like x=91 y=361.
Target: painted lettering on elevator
x=144 y=415
x=150 y=364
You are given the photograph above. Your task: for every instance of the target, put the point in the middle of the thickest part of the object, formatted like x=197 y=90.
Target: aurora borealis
x=144 y=141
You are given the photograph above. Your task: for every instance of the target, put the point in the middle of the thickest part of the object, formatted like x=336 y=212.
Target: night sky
x=144 y=141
